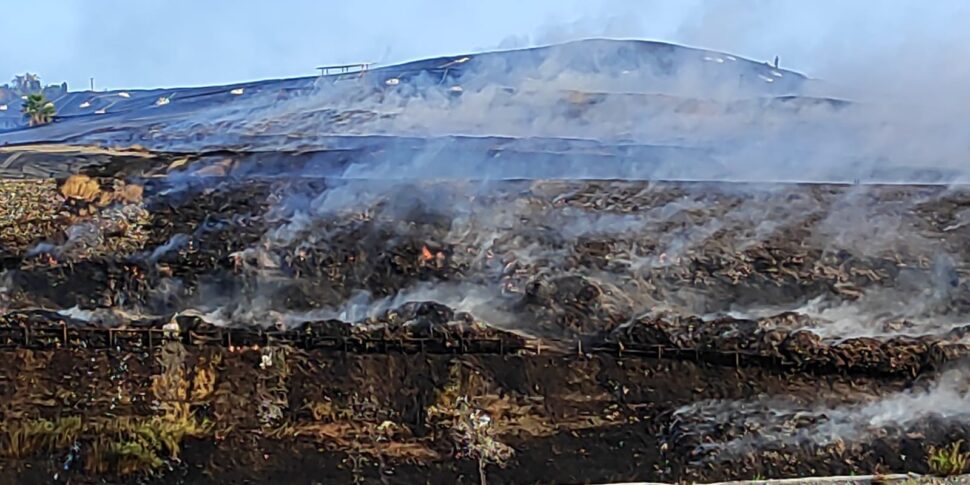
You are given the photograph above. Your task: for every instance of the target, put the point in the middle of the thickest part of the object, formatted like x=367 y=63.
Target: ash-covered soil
x=324 y=330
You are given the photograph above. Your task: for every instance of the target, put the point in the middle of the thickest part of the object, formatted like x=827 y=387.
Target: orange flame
x=426 y=254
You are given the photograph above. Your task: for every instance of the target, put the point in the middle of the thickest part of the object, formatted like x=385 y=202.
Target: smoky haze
x=158 y=43
x=900 y=61
x=898 y=64
x=866 y=92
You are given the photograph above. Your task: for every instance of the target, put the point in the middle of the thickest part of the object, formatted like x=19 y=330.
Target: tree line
x=36 y=108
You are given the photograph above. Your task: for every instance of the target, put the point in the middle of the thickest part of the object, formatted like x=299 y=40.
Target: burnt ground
x=569 y=419
x=323 y=330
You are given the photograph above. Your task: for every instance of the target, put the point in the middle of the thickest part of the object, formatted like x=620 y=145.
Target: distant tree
x=38 y=110
x=33 y=82
x=19 y=82
x=27 y=83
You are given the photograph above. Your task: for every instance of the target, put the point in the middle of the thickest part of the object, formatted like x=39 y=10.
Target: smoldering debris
x=834 y=424
x=549 y=259
x=414 y=327
x=784 y=340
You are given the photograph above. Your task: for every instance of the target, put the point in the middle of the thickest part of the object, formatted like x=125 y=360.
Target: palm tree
x=38 y=110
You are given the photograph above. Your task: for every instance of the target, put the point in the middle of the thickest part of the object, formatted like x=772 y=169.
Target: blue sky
x=155 y=43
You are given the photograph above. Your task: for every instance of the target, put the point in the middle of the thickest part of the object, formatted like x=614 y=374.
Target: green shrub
x=948 y=461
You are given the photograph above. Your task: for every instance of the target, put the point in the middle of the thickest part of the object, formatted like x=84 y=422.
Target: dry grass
x=142 y=445
x=510 y=415
x=133 y=150
x=84 y=188
x=321 y=410
x=367 y=438
x=130 y=194
x=204 y=382
x=81 y=187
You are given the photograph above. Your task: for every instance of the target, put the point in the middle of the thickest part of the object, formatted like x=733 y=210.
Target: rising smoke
x=726 y=430
x=624 y=111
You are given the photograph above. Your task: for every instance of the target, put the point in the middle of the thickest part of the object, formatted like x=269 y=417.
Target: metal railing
x=344 y=68
x=63 y=336
x=53 y=336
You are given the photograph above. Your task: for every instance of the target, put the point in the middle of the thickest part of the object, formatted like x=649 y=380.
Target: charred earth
x=180 y=323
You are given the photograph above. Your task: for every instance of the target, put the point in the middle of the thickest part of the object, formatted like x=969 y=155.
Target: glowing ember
x=426 y=254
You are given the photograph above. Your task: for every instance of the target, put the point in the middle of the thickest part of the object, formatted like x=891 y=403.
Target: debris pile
x=556 y=260
x=788 y=340
x=412 y=328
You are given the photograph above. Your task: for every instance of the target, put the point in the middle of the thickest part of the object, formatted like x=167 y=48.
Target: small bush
x=134 y=457
x=81 y=187
x=948 y=461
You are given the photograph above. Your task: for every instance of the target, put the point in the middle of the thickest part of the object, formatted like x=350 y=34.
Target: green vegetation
x=126 y=445
x=27 y=438
x=38 y=110
x=948 y=461
x=143 y=445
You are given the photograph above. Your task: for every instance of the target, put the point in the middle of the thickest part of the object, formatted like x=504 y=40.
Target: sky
x=170 y=43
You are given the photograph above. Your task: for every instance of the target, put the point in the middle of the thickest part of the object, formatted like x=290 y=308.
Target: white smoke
x=780 y=422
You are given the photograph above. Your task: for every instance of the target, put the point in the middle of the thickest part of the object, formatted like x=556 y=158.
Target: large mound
x=589 y=109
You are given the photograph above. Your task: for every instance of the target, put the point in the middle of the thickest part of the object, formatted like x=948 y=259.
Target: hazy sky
x=155 y=43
